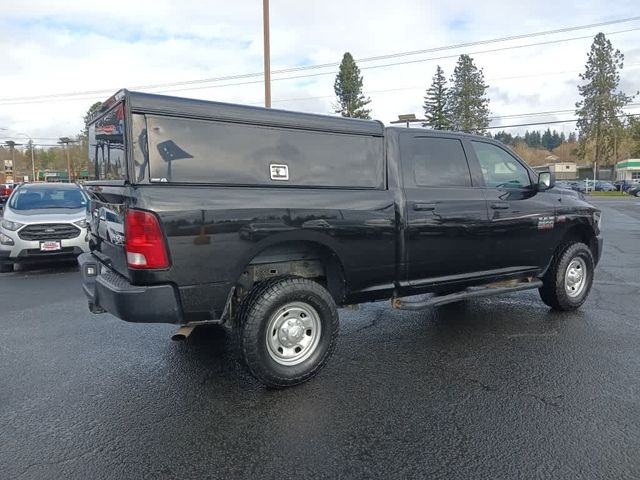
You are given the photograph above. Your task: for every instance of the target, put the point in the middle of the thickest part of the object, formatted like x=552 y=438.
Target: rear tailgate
x=106 y=225
x=108 y=186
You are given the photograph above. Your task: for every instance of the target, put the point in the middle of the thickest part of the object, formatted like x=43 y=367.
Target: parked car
x=602 y=186
x=579 y=186
x=569 y=189
x=624 y=185
x=5 y=192
x=564 y=184
x=43 y=221
x=635 y=191
x=269 y=220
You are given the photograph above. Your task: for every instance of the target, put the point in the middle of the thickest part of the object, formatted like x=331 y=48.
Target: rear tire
x=567 y=283
x=288 y=329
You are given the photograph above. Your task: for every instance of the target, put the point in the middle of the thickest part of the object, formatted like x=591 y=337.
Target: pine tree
x=537 y=138
x=533 y=139
x=504 y=137
x=546 y=139
x=436 y=107
x=348 y=88
x=467 y=98
x=551 y=140
x=93 y=109
x=601 y=106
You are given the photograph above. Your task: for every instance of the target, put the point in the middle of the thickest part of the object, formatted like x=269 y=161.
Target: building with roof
x=628 y=169
x=563 y=170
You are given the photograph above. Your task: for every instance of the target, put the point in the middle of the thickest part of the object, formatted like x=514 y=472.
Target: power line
x=550 y=112
x=480 y=52
x=422 y=87
x=407 y=62
x=333 y=64
x=553 y=122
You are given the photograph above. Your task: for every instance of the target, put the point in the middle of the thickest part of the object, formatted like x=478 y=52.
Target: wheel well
x=301 y=259
x=584 y=234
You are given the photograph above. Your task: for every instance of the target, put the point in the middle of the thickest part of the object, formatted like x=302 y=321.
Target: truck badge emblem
x=279 y=172
x=545 y=223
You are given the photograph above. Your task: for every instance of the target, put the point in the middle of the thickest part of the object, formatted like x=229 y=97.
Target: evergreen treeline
x=546 y=139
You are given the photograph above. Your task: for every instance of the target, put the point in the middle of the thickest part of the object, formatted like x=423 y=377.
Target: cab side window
x=500 y=170
x=439 y=162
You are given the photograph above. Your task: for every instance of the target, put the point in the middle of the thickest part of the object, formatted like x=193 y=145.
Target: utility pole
x=65 y=141
x=596 y=154
x=267 y=54
x=33 y=161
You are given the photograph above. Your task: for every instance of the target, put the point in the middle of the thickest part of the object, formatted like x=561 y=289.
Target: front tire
x=288 y=331
x=567 y=283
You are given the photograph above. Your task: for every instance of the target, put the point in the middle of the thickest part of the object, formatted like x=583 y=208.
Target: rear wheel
x=287 y=331
x=568 y=281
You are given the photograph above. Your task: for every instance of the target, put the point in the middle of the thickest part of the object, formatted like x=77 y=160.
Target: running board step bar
x=402 y=303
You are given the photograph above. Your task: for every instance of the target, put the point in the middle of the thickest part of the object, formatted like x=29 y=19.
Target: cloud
x=67 y=46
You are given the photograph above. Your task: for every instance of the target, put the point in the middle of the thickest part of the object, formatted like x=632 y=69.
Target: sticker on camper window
x=279 y=172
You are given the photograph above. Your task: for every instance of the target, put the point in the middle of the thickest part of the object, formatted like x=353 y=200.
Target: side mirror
x=546 y=180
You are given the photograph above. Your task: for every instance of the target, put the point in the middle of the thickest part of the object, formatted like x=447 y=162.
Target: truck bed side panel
x=225 y=227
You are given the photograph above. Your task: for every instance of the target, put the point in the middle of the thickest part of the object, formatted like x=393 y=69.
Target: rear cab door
x=446 y=213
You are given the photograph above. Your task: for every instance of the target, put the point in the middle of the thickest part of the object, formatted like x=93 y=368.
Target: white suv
x=43 y=221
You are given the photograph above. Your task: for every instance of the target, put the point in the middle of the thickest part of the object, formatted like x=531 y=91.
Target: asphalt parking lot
x=488 y=388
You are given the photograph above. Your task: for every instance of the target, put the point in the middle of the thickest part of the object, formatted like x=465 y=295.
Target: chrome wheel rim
x=575 y=278
x=293 y=333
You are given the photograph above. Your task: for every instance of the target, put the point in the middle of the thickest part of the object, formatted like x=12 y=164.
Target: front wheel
x=568 y=281
x=288 y=330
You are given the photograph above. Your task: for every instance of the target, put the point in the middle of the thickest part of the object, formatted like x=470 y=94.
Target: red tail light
x=144 y=241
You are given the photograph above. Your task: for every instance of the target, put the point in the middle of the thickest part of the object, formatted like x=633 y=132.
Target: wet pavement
x=489 y=388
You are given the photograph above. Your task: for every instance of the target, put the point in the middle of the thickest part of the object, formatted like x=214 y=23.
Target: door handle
x=500 y=205
x=424 y=206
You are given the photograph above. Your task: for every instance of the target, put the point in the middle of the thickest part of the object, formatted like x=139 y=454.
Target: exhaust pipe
x=182 y=334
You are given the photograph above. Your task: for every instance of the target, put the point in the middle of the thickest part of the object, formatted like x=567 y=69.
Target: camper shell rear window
x=184 y=150
x=107 y=151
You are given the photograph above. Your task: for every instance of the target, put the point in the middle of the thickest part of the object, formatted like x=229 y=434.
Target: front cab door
x=522 y=218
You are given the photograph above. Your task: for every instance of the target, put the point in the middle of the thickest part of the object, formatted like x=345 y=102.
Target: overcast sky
x=79 y=46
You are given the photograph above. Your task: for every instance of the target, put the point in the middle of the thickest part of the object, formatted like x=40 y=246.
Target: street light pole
x=267 y=54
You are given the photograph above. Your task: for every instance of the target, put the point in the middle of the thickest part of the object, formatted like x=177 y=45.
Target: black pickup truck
x=267 y=221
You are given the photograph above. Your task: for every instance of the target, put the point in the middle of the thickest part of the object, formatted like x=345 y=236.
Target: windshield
x=41 y=198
